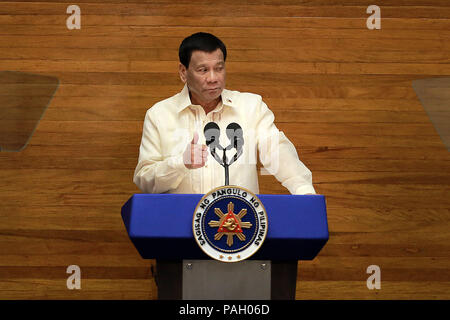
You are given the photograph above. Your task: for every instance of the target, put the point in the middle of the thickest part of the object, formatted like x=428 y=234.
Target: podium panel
x=160 y=226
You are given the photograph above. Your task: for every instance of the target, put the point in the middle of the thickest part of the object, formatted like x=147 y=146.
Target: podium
x=160 y=227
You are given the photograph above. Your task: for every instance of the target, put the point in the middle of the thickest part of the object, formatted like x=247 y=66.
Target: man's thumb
x=195 y=138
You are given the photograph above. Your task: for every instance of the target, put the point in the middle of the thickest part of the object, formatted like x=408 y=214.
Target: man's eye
x=202 y=70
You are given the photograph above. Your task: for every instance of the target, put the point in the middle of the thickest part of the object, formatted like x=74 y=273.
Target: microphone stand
x=226 y=166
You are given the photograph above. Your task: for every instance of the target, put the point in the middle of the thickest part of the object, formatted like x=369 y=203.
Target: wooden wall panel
x=342 y=93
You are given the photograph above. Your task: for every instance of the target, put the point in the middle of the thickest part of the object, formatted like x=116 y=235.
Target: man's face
x=205 y=76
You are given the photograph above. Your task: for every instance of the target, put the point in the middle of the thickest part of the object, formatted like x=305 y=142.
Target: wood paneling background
x=342 y=93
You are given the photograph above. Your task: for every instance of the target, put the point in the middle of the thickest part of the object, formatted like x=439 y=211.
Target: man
x=173 y=156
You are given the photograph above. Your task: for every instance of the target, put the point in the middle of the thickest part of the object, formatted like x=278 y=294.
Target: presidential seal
x=230 y=224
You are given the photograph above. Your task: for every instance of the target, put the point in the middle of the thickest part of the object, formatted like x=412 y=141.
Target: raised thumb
x=195 y=138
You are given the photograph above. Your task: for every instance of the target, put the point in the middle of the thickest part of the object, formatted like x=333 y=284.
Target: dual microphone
x=235 y=135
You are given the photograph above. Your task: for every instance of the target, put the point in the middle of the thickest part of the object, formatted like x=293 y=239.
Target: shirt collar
x=184 y=100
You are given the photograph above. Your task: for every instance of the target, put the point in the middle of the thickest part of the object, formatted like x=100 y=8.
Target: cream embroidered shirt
x=169 y=127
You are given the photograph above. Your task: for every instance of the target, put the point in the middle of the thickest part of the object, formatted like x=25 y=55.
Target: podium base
x=174 y=285
x=215 y=280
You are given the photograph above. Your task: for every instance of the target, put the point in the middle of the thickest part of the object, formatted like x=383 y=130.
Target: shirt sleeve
x=279 y=156
x=155 y=173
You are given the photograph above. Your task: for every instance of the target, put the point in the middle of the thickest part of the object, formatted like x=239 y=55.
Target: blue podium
x=160 y=227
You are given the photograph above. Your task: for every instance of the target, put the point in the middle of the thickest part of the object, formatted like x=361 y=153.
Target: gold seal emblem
x=240 y=214
x=230 y=224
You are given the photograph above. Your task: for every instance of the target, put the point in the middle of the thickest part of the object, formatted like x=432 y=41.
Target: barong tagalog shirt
x=169 y=127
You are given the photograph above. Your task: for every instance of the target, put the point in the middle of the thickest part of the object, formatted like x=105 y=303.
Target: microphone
x=212 y=134
x=236 y=136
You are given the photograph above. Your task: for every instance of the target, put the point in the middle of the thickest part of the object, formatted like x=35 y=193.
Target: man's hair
x=200 y=41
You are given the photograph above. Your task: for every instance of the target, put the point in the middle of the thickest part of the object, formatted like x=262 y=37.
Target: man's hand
x=195 y=155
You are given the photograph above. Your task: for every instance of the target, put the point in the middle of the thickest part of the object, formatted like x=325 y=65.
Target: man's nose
x=212 y=76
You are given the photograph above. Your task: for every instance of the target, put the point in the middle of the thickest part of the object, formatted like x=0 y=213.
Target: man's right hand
x=195 y=154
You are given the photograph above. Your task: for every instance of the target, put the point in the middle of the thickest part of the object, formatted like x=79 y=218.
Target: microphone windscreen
x=235 y=134
x=212 y=133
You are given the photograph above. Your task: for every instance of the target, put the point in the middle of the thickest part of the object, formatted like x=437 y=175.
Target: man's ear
x=182 y=72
